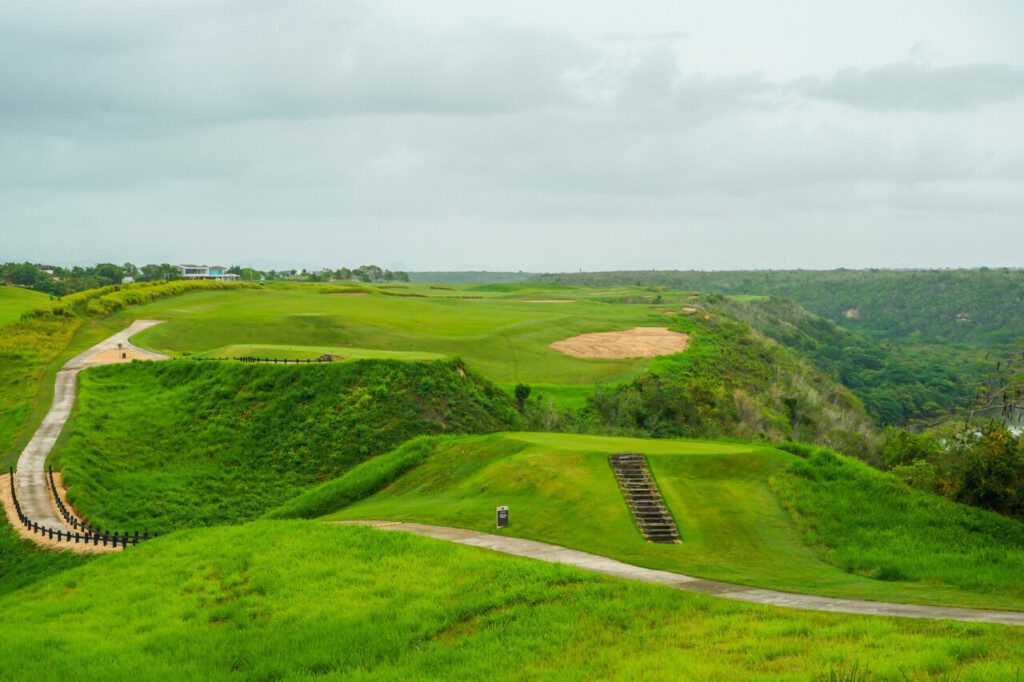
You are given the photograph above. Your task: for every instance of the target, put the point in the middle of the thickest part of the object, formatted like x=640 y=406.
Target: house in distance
x=216 y=272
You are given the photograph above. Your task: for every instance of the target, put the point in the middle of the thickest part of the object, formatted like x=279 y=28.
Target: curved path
x=592 y=562
x=33 y=489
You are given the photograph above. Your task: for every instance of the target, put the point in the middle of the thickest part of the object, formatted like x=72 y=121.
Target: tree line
x=60 y=281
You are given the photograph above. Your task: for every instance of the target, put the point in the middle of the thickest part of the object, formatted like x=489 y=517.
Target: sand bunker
x=640 y=342
x=347 y=293
x=546 y=300
x=114 y=355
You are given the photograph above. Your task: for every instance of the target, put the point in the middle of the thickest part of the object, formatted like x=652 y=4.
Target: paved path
x=592 y=562
x=33 y=489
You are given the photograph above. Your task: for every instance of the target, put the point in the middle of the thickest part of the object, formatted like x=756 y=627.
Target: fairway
x=496 y=329
x=560 y=489
x=15 y=300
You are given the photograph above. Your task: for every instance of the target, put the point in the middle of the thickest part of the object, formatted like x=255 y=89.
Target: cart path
x=592 y=562
x=33 y=489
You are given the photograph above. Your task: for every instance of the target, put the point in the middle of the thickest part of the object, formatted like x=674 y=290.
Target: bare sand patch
x=669 y=312
x=639 y=342
x=546 y=300
x=113 y=355
x=689 y=309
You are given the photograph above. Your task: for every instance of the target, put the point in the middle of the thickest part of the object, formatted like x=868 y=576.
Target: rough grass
x=560 y=489
x=298 y=600
x=870 y=523
x=161 y=445
x=22 y=563
x=283 y=352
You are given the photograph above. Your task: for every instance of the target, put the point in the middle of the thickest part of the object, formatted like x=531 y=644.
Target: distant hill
x=980 y=307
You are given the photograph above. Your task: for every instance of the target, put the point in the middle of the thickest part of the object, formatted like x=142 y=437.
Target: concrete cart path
x=33 y=488
x=592 y=562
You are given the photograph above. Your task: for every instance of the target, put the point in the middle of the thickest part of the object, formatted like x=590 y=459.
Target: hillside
x=185 y=443
x=728 y=382
x=823 y=524
x=977 y=307
x=301 y=600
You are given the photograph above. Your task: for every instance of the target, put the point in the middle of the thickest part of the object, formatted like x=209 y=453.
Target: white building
x=217 y=272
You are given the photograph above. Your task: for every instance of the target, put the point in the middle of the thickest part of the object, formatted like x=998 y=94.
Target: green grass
x=283 y=352
x=161 y=445
x=496 y=332
x=299 y=600
x=22 y=563
x=560 y=489
x=14 y=301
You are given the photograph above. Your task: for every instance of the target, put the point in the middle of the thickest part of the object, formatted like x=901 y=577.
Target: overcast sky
x=515 y=135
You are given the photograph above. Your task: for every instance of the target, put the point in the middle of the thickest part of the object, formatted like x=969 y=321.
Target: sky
x=521 y=135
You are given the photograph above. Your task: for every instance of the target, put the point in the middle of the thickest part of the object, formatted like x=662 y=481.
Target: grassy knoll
x=297 y=600
x=845 y=530
x=184 y=443
x=14 y=301
x=281 y=352
x=22 y=563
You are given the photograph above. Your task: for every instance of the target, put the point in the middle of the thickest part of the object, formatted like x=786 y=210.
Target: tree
x=522 y=394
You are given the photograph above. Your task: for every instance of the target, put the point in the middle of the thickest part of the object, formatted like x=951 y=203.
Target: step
x=652 y=518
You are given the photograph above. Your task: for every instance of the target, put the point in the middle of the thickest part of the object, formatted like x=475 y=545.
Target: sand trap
x=347 y=293
x=689 y=309
x=640 y=342
x=545 y=300
x=114 y=355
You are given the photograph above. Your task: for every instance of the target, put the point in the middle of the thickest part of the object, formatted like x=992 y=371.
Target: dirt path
x=33 y=490
x=592 y=562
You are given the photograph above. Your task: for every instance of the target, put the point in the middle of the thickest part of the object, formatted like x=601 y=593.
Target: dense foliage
x=981 y=465
x=980 y=307
x=897 y=385
x=186 y=443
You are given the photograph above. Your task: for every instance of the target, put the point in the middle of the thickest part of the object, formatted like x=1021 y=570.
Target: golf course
x=400 y=406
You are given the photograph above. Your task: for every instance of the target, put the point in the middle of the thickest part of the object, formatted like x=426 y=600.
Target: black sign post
x=502 y=517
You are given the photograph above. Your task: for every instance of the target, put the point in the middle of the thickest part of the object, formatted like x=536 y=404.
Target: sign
x=502 y=517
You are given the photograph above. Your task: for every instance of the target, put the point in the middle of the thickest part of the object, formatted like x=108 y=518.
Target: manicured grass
x=300 y=600
x=283 y=352
x=498 y=333
x=15 y=300
x=161 y=445
x=561 y=489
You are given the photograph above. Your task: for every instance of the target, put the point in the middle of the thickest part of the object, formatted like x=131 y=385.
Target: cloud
x=912 y=86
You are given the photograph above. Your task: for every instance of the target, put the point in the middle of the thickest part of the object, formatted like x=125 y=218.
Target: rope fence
x=275 y=361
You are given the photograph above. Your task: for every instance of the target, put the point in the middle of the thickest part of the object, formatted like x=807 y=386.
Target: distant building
x=127 y=280
x=217 y=272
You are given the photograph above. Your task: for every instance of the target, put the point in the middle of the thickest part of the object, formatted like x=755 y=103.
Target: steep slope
x=185 y=443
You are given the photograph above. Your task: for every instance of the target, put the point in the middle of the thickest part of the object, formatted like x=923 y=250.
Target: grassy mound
x=187 y=443
x=845 y=530
x=14 y=301
x=294 y=600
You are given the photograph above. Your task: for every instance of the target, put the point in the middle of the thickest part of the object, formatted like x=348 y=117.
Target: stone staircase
x=649 y=511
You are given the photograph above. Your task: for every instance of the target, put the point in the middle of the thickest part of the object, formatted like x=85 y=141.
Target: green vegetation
x=34 y=348
x=741 y=383
x=292 y=600
x=898 y=384
x=282 y=352
x=758 y=516
x=979 y=307
x=185 y=443
x=22 y=563
x=14 y=301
